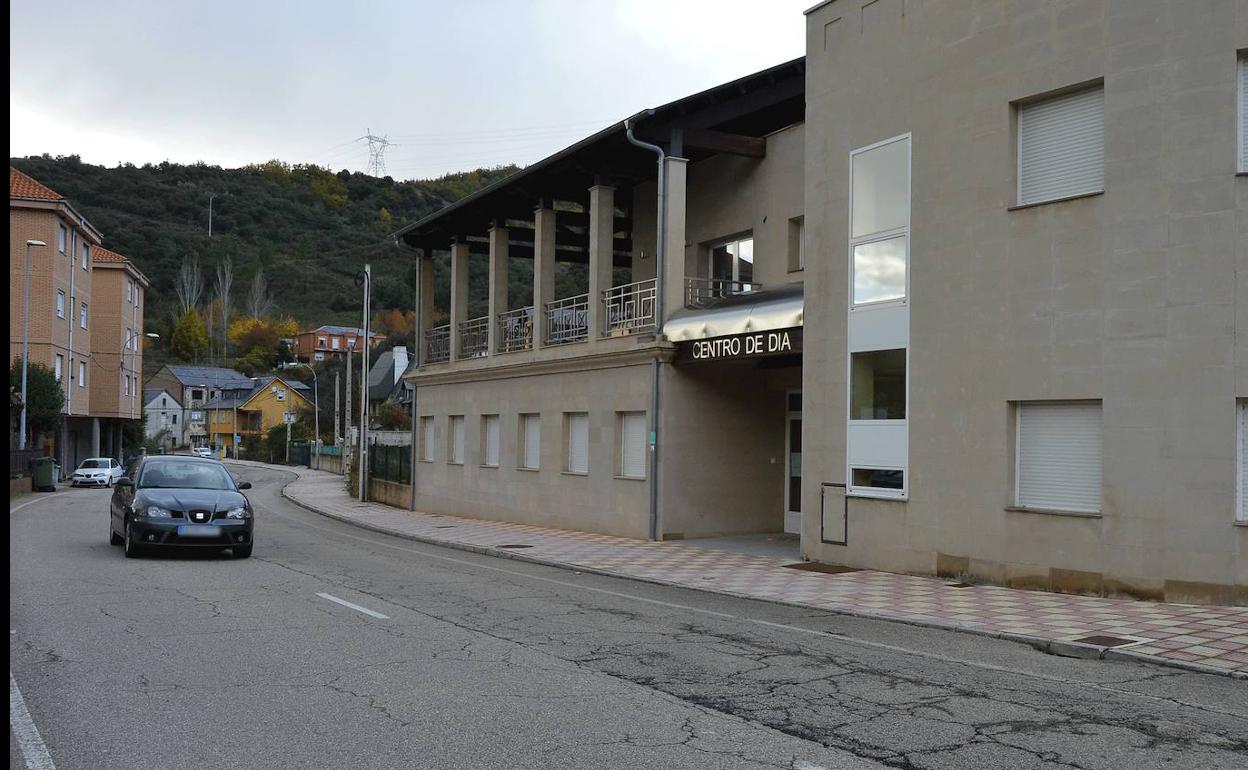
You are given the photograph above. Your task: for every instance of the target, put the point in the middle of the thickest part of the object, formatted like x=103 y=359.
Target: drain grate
x=817 y=566
x=1106 y=641
x=515 y=546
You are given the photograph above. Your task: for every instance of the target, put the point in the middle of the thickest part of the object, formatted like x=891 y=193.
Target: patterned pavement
x=1202 y=637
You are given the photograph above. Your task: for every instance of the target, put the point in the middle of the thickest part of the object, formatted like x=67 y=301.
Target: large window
x=1061 y=146
x=878 y=385
x=455 y=453
x=530 y=441
x=576 y=440
x=632 y=427
x=880 y=221
x=489 y=440
x=1058 y=460
x=734 y=261
x=1243 y=112
x=426 y=439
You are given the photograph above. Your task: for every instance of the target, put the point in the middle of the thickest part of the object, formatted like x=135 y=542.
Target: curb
x=1057 y=647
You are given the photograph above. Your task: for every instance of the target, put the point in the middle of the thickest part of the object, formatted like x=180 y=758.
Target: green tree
x=190 y=337
x=44 y=397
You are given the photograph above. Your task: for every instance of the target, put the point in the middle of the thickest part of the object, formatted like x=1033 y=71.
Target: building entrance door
x=793 y=465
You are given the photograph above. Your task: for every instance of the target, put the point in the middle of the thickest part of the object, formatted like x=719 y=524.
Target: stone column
x=118 y=434
x=601 y=254
x=459 y=292
x=425 y=314
x=674 y=236
x=543 y=270
x=95 y=436
x=498 y=283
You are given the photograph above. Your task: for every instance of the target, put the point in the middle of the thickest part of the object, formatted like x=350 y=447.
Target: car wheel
x=113 y=537
x=133 y=549
x=242 y=551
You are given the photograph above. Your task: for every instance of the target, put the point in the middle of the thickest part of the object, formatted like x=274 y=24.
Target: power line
x=377 y=146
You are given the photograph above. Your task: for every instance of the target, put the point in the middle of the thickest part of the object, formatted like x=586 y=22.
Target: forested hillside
x=310 y=229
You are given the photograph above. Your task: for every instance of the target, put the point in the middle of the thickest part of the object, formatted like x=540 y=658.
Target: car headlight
x=237 y=513
x=156 y=512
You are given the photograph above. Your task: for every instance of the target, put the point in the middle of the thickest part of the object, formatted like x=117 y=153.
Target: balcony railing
x=699 y=292
x=438 y=344
x=567 y=319
x=630 y=308
x=515 y=330
x=474 y=337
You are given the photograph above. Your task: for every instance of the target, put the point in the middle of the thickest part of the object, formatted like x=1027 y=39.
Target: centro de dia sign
x=776 y=342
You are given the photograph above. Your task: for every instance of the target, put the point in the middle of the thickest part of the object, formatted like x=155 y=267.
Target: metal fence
x=515 y=330
x=390 y=463
x=630 y=308
x=567 y=319
x=438 y=344
x=19 y=461
x=300 y=453
x=474 y=337
x=699 y=292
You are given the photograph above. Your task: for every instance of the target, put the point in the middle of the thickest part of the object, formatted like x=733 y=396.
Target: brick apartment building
x=328 y=341
x=78 y=318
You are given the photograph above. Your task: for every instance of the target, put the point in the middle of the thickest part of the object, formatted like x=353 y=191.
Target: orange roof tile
x=101 y=254
x=22 y=186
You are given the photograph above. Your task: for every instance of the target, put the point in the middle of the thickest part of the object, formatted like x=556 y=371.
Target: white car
x=203 y=451
x=96 y=472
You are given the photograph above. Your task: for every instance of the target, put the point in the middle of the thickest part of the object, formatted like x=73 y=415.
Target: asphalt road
x=205 y=661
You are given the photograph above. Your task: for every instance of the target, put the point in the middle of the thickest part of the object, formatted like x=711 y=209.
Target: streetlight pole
x=316 y=410
x=21 y=441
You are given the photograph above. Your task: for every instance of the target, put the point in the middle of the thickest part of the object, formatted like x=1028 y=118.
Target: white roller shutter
x=491 y=439
x=633 y=444
x=1243 y=113
x=1243 y=461
x=531 y=431
x=1061 y=147
x=426 y=440
x=578 y=442
x=457 y=439
x=1059 y=456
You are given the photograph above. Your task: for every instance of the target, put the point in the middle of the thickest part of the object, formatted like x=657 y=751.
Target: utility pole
x=363 y=466
x=346 y=418
x=377 y=146
x=337 y=413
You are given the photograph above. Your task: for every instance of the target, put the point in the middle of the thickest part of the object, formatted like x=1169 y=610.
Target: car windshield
x=94 y=463
x=184 y=475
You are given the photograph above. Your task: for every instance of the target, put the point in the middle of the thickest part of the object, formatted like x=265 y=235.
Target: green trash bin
x=42 y=474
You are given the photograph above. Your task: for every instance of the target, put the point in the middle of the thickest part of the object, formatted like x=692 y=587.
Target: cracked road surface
x=204 y=661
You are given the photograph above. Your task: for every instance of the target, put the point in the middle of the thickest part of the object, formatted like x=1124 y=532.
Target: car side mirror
x=244 y=485
x=123 y=482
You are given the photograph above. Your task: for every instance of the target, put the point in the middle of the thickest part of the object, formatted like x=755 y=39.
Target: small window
x=633 y=445
x=174 y=415
x=318 y=356
x=455 y=452
x=126 y=385
x=576 y=440
x=489 y=440
x=82 y=374
x=59 y=366
x=86 y=256
x=82 y=315
x=1058 y=456
x=60 y=304
x=138 y=294
x=530 y=441
x=797 y=244
x=876 y=479
x=878 y=385
x=732 y=262
x=1061 y=146
x=1243 y=112
x=336 y=341
x=131 y=343
x=426 y=439
x=62 y=235
x=320 y=342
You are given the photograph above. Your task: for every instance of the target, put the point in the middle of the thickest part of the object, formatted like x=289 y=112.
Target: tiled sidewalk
x=1201 y=637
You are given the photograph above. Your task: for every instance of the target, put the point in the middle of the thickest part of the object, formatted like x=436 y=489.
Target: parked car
x=171 y=500
x=203 y=451
x=96 y=472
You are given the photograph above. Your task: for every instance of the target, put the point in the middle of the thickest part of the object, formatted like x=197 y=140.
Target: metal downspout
x=655 y=400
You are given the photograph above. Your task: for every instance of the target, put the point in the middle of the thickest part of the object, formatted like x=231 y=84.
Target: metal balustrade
x=438 y=344
x=515 y=330
x=567 y=319
x=474 y=337
x=630 y=308
x=700 y=292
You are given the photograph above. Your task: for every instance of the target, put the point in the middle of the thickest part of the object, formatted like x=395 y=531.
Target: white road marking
x=23 y=726
x=355 y=607
x=728 y=616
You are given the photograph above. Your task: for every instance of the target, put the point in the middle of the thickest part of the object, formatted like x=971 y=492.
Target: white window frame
x=60 y=303
x=1241 y=97
x=1019 y=107
x=527 y=420
x=82 y=374
x=570 y=421
x=62 y=237
x=428 y=438
x=882 y=235
x=83 y=315
x=86 y=255
x=622 y=470
x=456 y=441
x=491 y=445
x=129 y=290
x=1018 y=456
x=58 y=364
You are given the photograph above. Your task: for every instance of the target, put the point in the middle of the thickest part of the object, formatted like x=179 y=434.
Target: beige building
x=956 y=293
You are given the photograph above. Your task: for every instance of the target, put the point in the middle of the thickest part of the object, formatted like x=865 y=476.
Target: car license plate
x=199 y=530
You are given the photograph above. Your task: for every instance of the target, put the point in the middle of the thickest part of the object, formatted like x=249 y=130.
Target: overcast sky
x=455 y=85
